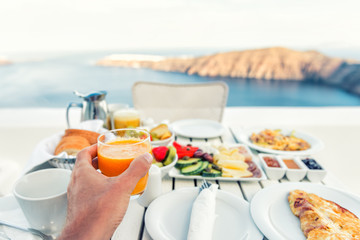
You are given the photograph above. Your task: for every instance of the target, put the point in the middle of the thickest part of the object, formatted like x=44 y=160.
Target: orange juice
x=126 y=122
x=126 y=119
x=115 y=156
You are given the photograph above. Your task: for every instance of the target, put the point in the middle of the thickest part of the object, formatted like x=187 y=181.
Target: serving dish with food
x=165 y=158
x=280 y=141
x=295 y=168
x=161 y=135
x=323 y=211
x=222 y=162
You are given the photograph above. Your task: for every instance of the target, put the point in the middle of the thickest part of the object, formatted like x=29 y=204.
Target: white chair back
x=173 y=102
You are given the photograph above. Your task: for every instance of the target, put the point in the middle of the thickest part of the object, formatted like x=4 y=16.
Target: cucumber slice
x=184 y=163
x=194 y=169
x=212 y=173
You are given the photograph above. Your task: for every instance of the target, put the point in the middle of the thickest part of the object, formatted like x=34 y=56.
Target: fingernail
x=148 y=157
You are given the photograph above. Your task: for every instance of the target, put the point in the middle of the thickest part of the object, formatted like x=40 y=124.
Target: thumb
x=137 y=169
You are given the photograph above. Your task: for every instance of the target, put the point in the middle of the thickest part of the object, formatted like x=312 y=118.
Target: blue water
x=50 y=82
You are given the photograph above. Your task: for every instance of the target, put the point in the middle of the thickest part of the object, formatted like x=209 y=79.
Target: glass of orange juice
x=118 y=148
x=126 y=118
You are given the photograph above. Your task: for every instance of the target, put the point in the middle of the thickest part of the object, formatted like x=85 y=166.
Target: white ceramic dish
x=174 y=172
x=164 y=142
x=165 y=169
x=271 y=212
x=273 y=173
x=168 y=216
x=316 y=144
x=11 y=212
x=42 y=196
x=315 y=175
x=294 y=175
x=198 y=128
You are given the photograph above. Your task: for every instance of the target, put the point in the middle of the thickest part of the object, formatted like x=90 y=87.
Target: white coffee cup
x=42 y=196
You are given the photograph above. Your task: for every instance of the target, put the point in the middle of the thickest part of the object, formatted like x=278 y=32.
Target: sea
x=49 y=79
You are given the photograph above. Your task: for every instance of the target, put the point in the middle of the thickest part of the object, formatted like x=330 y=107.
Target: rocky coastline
x=267 y=64
x=4 y=61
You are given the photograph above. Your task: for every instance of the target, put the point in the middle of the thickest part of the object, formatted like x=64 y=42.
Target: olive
x=208 y=157
x=216 y=167
x=198 y=154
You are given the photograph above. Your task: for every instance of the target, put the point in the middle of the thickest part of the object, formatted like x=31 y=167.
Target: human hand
x=96 y=203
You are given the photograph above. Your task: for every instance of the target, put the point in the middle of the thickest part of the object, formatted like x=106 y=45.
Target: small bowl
x=273 y=173
x=315 y=175
x=294 y=175
x=166 y=169
x=164 y=142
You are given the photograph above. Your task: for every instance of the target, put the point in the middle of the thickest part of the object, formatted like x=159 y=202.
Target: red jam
x=271 y=162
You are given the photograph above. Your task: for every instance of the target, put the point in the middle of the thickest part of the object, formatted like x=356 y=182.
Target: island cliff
x=268 y=64
x=4 y=61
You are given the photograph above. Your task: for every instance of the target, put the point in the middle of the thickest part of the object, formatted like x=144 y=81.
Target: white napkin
x=14 y=215
x=203 y=214
x=44 y=150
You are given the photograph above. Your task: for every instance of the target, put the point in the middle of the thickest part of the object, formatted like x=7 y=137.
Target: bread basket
x=66 y=163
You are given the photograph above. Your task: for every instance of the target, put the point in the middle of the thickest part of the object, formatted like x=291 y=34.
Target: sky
x=77 y=25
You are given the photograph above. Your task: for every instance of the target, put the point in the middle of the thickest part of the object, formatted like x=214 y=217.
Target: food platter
x=175 y=173
x=168 y=216
x=271 y=212
x=315 y=143
x=198 y=128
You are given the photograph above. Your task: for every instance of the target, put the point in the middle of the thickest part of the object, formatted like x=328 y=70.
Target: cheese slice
x=226 y=172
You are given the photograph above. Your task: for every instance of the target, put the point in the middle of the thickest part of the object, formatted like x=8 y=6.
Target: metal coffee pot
x=93 y=106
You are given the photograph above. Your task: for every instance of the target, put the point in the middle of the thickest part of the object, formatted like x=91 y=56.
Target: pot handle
x=79 y=105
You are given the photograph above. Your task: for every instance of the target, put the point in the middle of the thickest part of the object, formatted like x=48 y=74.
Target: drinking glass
x=126 y=118
x=118 y=148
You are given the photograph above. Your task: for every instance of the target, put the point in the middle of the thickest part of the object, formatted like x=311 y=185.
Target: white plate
x=168 y=216
x=316 y=144
x=271 y=212
x=174 y=172
x=11 y=212
x=198 y=128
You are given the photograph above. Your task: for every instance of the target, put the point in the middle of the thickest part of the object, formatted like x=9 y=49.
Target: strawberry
x=160 y=153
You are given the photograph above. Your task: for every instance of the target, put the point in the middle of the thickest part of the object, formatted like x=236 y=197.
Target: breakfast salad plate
x=168 y=216
x=233 y=162
x=295 y=142
x=271 y=212
x=198 y=128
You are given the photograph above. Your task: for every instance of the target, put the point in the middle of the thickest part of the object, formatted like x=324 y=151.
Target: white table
x=339 y=128
x=133 y=226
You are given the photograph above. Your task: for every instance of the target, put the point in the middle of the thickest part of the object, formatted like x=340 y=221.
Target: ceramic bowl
x=42 y=198
x=294 y=175
x=273 y=173
x=164 y=142
x=166 y=169
x=315 y=175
